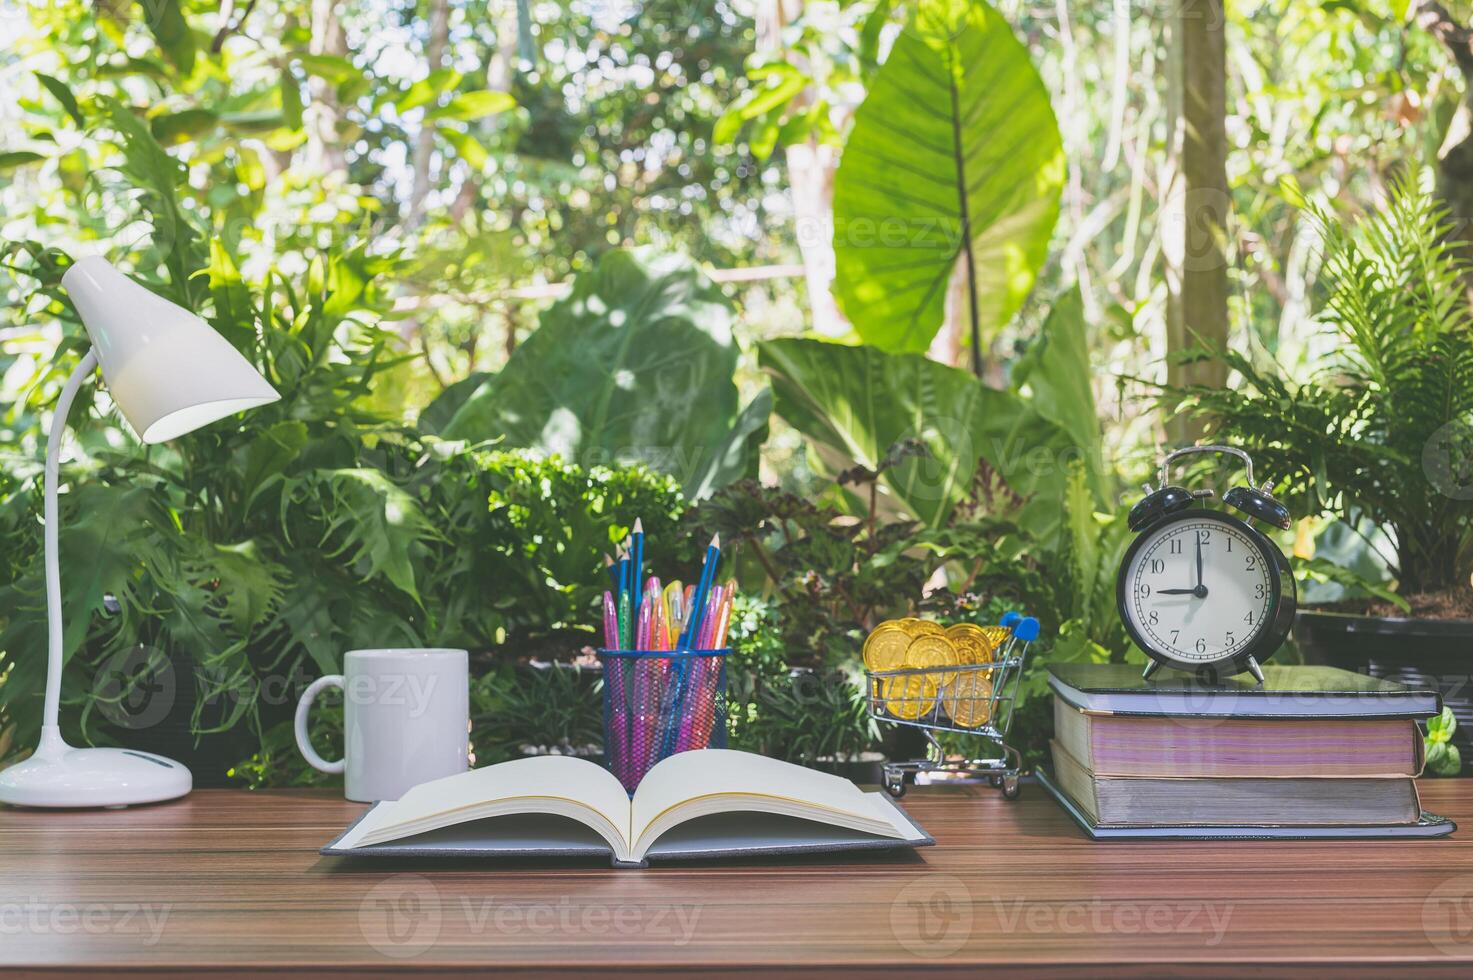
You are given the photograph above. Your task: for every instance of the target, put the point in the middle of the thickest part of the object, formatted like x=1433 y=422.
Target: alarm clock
x=1203 y=590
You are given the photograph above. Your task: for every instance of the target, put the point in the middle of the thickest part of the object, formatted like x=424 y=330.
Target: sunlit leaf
x=634 y=365
x=473 y=105
x=166 y=22
x=428 y=89
x=18 y=158
x=63 y=95
x=183 y=126
x=955 y=157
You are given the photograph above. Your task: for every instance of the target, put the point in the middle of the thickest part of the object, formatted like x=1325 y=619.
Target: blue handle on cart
x=1027 y=629
x=1010 y=618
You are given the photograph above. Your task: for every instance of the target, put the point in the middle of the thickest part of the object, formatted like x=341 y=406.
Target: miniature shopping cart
x=973 y=699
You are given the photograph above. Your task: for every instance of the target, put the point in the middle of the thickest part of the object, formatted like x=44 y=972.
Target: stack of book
x=1313 y=752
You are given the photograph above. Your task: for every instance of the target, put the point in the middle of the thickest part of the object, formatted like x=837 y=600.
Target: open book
x=708 y=803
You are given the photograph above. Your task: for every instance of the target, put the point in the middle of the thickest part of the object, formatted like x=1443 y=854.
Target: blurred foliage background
x=424 y=218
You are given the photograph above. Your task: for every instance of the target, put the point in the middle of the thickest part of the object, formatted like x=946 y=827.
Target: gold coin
x=968 y=698
x=931 y=651
x=885 y=648
x=905 y=697
x=996 y=635
x=922 y=627
x=972 y=649
x=971 y=642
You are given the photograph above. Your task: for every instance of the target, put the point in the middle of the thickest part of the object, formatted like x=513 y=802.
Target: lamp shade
x=167 y=370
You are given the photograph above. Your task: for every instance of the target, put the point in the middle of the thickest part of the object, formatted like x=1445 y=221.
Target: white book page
x=468 y=795
x=691 y=776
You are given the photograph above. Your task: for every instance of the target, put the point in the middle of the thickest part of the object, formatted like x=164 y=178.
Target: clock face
x=1199 y=588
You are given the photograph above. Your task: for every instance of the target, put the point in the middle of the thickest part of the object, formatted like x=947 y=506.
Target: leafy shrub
x=1381 y=433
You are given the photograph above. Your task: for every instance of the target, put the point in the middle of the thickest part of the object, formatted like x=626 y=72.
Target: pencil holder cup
x=658 y=703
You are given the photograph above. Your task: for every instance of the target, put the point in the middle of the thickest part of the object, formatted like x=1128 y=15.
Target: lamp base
x=58 y=775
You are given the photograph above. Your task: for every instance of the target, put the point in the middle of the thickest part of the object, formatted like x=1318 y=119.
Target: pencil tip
x=608 y=561
x=716 y=540
x=638 y=526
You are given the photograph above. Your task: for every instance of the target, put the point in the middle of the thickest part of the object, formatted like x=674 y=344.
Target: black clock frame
x=1280 y=619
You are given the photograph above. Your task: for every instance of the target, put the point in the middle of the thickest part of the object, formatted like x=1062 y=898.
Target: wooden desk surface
x=226 y=881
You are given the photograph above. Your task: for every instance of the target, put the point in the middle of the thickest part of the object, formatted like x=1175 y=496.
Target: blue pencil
x=698 y=598
x=689 y=635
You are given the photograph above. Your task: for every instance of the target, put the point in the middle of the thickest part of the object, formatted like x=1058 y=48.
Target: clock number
x=1230 y=544
x=1252 y=564
x=1260 y=591
x=1249 y=618
x=1143 y=591
x=1229 y=640
x=1175 y=546
x=1201 y=645
x=1174 y=635
x=1204 y=536
x=1157 y=566
x=1154 y=618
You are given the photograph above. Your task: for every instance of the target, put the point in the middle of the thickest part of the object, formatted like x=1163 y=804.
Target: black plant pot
x=1434 y=654
x=866 y=772
x=158 y=717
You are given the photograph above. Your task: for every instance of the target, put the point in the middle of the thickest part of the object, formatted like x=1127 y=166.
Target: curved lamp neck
x=50 y=721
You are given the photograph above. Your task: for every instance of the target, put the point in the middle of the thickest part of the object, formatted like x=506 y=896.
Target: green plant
x=808 y=716
x=634 y=366
x=1443 y=757
x=954 y=167
x=554 y=708
x=1381 y=432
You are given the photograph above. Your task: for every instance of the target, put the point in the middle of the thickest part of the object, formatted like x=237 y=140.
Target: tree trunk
x=1455 y=165
x=325 y=150
x=424 y=140
x=1195 y=202
x=811 y=167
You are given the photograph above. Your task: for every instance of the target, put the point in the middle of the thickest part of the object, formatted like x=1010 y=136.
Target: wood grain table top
x=231 y=883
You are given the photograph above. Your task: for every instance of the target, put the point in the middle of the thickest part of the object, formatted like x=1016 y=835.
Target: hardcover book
x=704 y=804
x=1287 y=692
x=1427 y=825
x=1141 y=745
x=1145 y=801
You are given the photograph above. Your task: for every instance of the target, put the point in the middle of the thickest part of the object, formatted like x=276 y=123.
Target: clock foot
x=1255 y=670
x=1151 y=668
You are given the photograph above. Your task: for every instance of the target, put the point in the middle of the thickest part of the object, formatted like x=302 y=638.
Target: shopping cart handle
x=1010 y=618
x=1027 y=629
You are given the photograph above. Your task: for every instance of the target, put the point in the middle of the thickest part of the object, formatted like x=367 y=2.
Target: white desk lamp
x=169 y=373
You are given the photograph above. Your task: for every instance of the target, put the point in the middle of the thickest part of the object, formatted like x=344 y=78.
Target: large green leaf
x=635 y=365
x=165 y=19
x=854 y=403
x=955 y=156
x=1056 y=375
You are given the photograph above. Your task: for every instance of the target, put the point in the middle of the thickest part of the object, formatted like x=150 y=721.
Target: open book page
x=557 y=785
x=695 y=784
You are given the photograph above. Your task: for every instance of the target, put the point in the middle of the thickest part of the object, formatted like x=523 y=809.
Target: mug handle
x=304 y=740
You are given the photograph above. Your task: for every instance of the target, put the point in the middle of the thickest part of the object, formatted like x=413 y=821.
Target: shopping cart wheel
x=1010 y=788
x=994 y=781
x=895 y=784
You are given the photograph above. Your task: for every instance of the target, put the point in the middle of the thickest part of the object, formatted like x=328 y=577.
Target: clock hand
x=1176 y=591
x=1199 y=561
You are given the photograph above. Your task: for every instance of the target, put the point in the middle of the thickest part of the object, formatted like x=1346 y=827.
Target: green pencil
x=624 y=622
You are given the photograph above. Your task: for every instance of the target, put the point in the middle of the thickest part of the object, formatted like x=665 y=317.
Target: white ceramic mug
x=406 y=720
